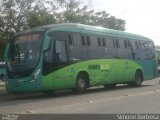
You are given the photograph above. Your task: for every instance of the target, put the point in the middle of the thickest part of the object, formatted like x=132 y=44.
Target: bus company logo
x=9 y=117
x=94 y=67
x=99 y=67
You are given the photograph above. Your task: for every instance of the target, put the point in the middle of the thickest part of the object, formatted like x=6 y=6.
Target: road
x=122 y=99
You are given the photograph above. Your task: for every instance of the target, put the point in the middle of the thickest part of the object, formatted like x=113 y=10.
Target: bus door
x=61 y=76
x=60 y=51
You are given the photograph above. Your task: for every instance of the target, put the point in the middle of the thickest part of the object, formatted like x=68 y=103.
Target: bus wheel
x=81 y=84
x=138 y=79
x=109 y=86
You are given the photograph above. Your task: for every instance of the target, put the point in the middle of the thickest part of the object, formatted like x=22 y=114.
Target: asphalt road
x=122 y=99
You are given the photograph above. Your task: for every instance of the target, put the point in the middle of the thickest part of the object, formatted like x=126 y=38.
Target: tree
x=74 y=12
x=19 y=15
x=14 y=13
x=44 y=12
x=2 y=46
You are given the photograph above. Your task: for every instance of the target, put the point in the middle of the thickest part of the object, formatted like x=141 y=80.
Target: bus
x=76 y=56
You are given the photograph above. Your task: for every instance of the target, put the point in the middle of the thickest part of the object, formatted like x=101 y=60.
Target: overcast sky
x=142 y=16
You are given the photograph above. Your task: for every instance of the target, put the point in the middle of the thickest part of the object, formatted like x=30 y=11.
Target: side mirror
x=6 y=50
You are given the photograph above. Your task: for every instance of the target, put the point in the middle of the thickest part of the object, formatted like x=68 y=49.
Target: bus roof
x=91 y=29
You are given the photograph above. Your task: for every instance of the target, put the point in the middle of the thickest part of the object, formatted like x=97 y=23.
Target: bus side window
x=139 y=45
x=125 y=43
x=93 y=41
x=71 y=42
x=109 y=42
x=136 y=44
x=133 y=48
x=117 y=43
x=151 y=50
x=147 y=50
x=104 y=42
x=144 y=50
x=60 y=49
x=140 y=51
x=88 y=41
x=114 y=43
x=129 y=43
x=99 y=41
x=121 y=43
x=83 y=40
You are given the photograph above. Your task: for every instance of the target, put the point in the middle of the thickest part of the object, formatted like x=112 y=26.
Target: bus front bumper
x=17 y=86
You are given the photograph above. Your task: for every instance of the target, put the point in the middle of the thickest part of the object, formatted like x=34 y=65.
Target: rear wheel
x=81 y=84
x=138 y=79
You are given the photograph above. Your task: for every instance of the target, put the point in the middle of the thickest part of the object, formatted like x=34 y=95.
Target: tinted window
x=70 y=39
x=103 y=42
x=117 y=43
x=99 y=41
x=60 y=49
x=82 y=40
x=114 y=43
x=125 y=43
x=88 y=41
x=136 y=44
x=129 y=43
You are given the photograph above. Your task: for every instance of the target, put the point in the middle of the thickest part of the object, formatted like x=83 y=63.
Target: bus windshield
x=24 y=53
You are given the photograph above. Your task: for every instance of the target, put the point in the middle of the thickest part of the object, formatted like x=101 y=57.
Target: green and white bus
x=76 y=56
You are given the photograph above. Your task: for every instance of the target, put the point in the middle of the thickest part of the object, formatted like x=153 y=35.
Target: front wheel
x=81 y=84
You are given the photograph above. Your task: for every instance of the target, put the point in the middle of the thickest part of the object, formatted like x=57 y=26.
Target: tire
x=138 y=79
x=109 y=86
x=81 y=84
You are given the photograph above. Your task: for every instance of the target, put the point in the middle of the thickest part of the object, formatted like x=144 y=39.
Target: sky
x=142 y=16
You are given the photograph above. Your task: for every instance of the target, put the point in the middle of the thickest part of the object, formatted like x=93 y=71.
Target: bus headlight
x=35 y=76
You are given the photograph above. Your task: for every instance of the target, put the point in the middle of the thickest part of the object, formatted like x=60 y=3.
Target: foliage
x=19 y=15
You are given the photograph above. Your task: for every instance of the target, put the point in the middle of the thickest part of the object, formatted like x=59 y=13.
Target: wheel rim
x=139 y=79
x=81 y=83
